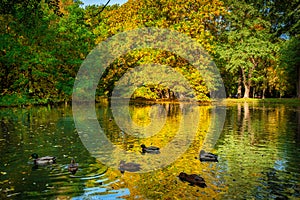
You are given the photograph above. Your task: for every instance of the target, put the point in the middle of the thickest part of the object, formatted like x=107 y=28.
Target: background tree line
x=255 y=45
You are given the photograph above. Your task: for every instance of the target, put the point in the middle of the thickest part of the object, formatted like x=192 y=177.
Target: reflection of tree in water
x=7 y=126
x=278 y=185
x=140 y=114
x=47 y=131
x=262 y=138
x=258 y=156
x=283 y=179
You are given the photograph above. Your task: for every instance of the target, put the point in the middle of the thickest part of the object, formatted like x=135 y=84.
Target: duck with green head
x=208 y=157
x=46 y=160
x=150 y=149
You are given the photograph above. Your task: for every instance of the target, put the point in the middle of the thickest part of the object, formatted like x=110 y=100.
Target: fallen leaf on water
x=5 y=181
x=14 y=194
x=9 y=189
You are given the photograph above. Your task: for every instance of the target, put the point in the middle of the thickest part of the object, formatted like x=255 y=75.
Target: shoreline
x=295 y=101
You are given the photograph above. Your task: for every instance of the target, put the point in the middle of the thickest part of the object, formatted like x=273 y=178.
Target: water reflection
x=261 y=151
x=258 y=152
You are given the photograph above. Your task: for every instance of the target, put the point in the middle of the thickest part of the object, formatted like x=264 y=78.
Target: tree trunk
x=247 y=78
x=247 y=83
x=30 y=82
x=240 y=82
x=247 y=90
x=169 y=94
x=298 y=82
x=298 y=128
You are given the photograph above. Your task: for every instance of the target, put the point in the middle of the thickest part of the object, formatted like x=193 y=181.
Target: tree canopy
x=255 y=45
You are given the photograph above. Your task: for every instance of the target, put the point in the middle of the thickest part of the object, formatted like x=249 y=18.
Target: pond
x=258 y=147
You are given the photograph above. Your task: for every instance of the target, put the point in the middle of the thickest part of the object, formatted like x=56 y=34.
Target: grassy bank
x=15 y=100
x=294 y=101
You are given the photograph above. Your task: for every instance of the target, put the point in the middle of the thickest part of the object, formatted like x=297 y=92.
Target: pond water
x=258 y=149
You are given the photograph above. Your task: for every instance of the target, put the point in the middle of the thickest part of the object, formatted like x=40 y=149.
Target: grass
x=20 y=100
x=294 y=101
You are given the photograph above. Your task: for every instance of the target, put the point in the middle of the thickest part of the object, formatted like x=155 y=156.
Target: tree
x=284 y=15
x=290 y=61
x=26 y=33
x=245 y=42
x=74 y=41
x=45 y=43
x=197 y=19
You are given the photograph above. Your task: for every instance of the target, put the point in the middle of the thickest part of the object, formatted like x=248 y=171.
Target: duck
x=150 y=149
x=130 y=167
x=208 y=157
x=73 y=166
x=193 y=179
x=46 y=160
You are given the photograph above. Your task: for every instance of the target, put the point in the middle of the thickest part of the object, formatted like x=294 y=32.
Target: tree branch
x=102 y=8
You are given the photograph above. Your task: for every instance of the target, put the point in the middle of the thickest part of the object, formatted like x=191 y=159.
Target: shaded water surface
x=258 y=151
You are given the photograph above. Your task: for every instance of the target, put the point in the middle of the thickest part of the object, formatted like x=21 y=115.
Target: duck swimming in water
x=46 y=160
x=130 y=166
x=193 y=179
x=150 y=149
x=208 y=157
x=73 y=166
